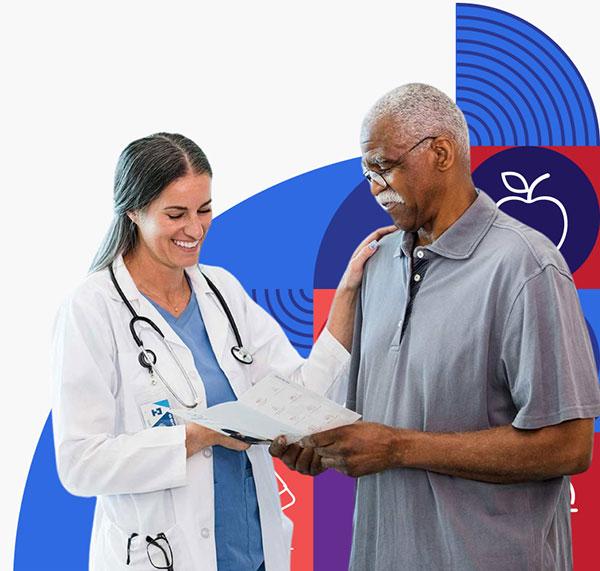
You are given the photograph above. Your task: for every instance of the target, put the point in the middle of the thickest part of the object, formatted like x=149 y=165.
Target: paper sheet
x=273 y=406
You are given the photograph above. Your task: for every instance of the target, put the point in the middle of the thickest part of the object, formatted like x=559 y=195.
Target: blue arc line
x=517 y=90
x=559 y=67
x=535 y=73
x=568 y=67
x=288 y=313
x=281 y=322
x=494 y=48
x=490 y=113
x=296 y=304
x=485 y=95
x=572 y=86
x=305 y=297
x=490 y=140
x=474 y=137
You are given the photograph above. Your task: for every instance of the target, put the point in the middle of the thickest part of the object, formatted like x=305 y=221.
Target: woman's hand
x=343 y=306
x=352 y=277
x=198 y=437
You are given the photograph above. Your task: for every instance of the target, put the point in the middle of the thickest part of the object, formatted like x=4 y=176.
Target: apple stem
x=535 y=183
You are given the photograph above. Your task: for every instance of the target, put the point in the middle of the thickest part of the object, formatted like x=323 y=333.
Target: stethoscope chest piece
x=143 y=359
x=242 y=355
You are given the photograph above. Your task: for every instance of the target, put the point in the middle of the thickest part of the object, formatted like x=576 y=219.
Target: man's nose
x=376 y=188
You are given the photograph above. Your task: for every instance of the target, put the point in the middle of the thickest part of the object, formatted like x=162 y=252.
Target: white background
x=269 y=89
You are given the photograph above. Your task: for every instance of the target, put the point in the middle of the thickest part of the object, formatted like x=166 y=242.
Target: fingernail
x=373 y=245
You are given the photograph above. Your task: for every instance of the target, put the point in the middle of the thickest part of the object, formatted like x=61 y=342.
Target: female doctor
x=170 y=495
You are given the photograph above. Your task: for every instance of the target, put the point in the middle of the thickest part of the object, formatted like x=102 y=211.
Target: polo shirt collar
x=460 y=240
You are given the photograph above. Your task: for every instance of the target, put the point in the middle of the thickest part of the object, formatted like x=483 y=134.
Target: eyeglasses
x=158 y=551
x=161 y=557
x=378 y=177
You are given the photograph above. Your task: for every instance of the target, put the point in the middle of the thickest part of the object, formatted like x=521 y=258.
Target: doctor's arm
x=326 y=367
x=93 y=458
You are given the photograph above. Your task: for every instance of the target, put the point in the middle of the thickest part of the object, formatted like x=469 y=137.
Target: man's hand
x=303 y=460
x=361 y=448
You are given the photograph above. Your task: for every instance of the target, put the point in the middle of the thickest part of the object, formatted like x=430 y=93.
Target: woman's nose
x=194 y=228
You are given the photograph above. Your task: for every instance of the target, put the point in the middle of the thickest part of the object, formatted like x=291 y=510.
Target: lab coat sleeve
x=92 y=458
x=325 y=371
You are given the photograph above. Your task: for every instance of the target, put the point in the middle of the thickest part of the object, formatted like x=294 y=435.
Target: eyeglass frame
x=372 y=176
x=168 y=557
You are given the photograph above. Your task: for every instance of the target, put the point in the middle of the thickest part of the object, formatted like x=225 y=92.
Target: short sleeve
x=547 y=355
x=352 y=397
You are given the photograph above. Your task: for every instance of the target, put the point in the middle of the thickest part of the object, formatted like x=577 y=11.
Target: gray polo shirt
x=496 y=336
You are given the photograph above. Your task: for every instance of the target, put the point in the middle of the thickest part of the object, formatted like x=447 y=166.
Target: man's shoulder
x=521 y=246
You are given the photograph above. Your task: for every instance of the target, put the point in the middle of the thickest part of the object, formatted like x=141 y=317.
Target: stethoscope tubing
x=147 y=358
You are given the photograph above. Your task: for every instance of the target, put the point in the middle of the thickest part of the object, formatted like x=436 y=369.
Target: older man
x=471 y=365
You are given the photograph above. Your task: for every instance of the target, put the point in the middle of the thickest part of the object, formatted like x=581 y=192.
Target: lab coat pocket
x=142 y=550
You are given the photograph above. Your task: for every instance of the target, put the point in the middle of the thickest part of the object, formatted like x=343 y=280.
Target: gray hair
x=145 y=167
x=421 y=110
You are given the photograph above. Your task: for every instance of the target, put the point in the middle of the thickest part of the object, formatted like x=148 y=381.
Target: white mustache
x=387 y=196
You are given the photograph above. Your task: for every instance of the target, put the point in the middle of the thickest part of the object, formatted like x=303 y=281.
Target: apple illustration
x=572 y=490
x=288 y=499
x=527 y=190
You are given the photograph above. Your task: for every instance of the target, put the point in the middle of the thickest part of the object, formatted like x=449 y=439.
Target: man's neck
x=454 y=202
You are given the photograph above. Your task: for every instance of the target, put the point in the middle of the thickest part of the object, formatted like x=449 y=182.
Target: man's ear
x=445 y=153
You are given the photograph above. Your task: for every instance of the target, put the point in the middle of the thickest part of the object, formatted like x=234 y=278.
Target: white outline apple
x=285 y=488
x=528 y=190
x=572 y=490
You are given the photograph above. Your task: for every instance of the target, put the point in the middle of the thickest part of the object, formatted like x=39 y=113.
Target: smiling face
x=172 y=228
x=411 y=192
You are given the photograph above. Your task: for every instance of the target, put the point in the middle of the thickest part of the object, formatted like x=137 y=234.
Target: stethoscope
x=147 y=357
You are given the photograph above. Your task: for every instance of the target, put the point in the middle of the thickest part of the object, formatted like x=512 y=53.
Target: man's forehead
x=381 y=144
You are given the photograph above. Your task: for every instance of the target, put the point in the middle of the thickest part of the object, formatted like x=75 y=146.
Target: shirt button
x=205 y=532
x=207 y=452
x=420 y=254
x=417 y=278
x=399 y=323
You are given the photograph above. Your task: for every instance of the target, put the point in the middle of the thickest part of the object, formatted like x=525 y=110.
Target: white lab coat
x=141 y=477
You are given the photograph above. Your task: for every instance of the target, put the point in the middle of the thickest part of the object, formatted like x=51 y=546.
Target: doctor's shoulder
x=88 y=302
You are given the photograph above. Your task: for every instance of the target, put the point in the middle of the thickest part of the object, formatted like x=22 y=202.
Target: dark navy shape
x=358 y=215
x=567 y=183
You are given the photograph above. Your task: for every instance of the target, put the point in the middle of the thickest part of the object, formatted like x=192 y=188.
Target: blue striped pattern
x=516 y=86
x=293 y=310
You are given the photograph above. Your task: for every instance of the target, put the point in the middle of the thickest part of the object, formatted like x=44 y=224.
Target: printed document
x=273 y=406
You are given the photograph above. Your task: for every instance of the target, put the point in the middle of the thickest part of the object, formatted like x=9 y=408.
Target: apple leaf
x=512 y=174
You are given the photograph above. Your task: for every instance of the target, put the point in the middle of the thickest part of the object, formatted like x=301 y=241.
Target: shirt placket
x=416 y=269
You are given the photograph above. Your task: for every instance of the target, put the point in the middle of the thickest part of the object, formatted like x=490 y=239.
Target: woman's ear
x=133 y=216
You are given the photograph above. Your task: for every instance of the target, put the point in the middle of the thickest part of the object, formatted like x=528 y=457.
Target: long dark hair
x=146 y=166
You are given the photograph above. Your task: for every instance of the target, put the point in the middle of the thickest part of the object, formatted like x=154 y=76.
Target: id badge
x=154 y=410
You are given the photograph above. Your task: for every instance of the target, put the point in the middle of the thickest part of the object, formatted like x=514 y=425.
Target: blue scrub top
x=237 y=523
